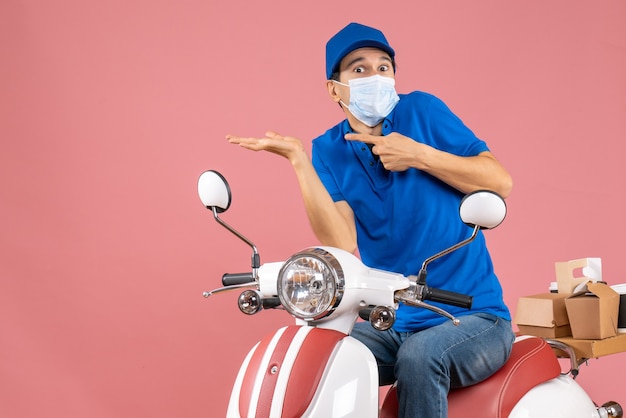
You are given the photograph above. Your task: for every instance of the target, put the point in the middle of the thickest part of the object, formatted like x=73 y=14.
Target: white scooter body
x=278 y=377
x=348 y=387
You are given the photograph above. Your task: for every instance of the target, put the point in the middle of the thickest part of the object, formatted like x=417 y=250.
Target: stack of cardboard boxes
x=583 y=312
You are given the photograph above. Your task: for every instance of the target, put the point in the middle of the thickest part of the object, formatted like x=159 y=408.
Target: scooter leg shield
x=302 y=371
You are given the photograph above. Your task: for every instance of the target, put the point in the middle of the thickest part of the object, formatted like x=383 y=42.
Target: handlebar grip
x=449 y=298
x=271 y=303
x=231 y=279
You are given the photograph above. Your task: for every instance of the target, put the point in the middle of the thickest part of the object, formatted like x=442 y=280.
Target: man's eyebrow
x=354 y=61
x=383 y=57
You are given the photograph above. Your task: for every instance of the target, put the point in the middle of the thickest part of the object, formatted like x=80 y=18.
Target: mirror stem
x=421 y=277
x=256 y=259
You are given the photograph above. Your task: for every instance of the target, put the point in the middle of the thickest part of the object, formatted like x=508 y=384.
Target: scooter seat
x=532 y=362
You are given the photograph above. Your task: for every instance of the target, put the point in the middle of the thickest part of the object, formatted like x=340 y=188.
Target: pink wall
x=110 y=110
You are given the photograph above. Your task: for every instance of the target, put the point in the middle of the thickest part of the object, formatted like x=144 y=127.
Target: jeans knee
x=413 y=362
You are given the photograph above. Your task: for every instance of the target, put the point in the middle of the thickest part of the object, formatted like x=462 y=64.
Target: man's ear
x=332 y=91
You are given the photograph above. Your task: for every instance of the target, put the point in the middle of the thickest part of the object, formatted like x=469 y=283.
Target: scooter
x=314 y=368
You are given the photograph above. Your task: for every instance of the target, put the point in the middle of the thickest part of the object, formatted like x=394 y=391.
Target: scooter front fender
x=302 y=371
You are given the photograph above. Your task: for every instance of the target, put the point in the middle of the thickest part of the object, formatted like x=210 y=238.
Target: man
x=387 y=181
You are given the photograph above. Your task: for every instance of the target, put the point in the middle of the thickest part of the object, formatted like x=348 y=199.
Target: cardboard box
x=575 y=273
x=593 y=314
x=585 y=349
x=543 y=315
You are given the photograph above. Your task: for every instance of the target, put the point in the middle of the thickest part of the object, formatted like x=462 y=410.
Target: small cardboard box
x=543 y=315
x=575 y=273
x=593 y=314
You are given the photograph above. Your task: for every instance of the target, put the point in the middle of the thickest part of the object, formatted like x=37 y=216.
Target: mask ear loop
x=341 y=102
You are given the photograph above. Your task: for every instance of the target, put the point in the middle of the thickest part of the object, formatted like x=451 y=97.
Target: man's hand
x=396 y=152
x=285 y=146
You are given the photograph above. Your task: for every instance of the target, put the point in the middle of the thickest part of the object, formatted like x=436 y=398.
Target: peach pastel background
x=109 y=111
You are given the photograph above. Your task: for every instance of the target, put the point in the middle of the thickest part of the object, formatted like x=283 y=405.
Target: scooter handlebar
x=232 y=279
x=447 y=297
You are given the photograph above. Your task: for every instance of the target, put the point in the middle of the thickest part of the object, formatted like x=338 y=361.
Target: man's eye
x=359 y=70
x=383 y=68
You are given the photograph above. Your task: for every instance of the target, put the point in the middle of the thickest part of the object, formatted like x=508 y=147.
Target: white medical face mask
x=371 y=98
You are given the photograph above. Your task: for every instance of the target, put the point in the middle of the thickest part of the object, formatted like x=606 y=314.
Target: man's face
x=363 y=62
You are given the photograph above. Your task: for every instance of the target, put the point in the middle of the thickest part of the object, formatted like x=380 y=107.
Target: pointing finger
x=368 y=139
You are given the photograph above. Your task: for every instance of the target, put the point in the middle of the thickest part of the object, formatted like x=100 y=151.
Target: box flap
x=600 y=290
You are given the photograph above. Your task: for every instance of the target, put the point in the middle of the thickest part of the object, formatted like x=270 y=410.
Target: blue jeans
x=426 y=364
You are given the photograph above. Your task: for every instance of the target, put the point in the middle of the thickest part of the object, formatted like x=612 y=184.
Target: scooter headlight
x=310 y=284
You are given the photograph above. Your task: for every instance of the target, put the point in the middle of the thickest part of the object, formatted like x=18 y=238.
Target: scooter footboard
x=302 y=371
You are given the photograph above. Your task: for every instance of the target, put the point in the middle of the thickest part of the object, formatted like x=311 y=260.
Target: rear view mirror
x=483 y=208
x=214 y=191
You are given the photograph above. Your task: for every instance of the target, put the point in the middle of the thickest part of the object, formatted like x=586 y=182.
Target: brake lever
x=232 y=287
x=412 y=296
